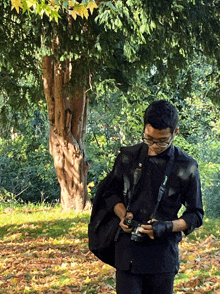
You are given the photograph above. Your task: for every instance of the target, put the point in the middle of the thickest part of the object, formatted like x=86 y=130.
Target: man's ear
x=176 y=131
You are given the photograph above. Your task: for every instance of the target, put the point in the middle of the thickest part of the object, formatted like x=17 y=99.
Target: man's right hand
x=124 y=227
x=120 y=211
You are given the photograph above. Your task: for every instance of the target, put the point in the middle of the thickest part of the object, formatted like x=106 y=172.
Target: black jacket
x=183 y=187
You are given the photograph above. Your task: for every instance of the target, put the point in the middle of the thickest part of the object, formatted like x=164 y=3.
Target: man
x=148 y=265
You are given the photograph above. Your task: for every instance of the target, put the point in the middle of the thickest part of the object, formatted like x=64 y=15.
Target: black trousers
x=129 y=283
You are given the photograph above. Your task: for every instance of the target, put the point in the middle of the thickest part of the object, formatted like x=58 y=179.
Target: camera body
x=135 y=225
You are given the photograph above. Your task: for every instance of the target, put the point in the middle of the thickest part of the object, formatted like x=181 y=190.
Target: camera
x=135 y=225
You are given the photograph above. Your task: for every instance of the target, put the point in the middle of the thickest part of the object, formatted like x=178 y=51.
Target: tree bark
x=67 y=109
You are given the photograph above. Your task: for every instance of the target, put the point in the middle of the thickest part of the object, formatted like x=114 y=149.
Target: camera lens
x=136 y=235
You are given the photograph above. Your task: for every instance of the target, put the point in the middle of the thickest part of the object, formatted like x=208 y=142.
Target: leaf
x=111 y=6
x=55 y=15
x=16 y=4
x=65 y=4
x=105 y=269
x=91 y=6
x=190 y=257
x=153 y=25
x=74 y=14
x=14 y=281
x=55 y=3
x=72 y=3
x=81 y=11
x=31 y=3
x=87 y=280
x=177 y=288
x=91 y=184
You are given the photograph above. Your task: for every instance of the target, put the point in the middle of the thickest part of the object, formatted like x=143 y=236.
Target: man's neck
x=153 y=153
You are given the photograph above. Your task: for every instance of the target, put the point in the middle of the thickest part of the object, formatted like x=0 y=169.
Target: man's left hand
x=161 y=228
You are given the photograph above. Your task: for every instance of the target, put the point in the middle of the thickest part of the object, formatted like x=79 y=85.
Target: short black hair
x=160 y=115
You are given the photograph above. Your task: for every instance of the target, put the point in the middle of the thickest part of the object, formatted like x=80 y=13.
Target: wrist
x=120 y=210
x=179 y=225
x=123 y=217
x=169 y=226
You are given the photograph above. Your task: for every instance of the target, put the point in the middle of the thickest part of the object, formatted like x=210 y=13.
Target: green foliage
x=115 y=41
x=26 y=167
x=160 y=34
x=7 y=199
x=19 y=65
x=212 y=197
x=209 y=163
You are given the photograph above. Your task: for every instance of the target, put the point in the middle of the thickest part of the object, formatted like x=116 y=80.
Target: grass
x=44 y=250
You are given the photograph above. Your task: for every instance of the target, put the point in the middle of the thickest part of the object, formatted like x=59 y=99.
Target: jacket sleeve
x=114 y=190
x=192 y=200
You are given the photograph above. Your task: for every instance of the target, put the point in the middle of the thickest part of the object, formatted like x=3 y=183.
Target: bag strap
x=137 y=174
x=162 y=188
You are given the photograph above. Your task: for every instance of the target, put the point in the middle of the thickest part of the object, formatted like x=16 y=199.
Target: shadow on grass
x=49 y=229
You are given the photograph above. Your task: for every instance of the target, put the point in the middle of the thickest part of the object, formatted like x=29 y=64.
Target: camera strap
x=162 y=188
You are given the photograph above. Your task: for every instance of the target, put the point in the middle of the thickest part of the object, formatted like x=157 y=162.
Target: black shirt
x=183 y=187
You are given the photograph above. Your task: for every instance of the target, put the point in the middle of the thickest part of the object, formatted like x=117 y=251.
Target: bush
x=7 y=198
x=26 y=167
x=211 y=198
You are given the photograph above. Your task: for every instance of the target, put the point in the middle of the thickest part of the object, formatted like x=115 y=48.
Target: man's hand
x=120 y=211
x=147 y=229
x=156 y=229
x=161 y=228
x=123 y=226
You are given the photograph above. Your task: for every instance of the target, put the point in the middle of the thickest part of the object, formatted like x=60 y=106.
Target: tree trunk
x=67 y=108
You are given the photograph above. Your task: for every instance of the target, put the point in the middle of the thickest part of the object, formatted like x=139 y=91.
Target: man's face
x=154 y=136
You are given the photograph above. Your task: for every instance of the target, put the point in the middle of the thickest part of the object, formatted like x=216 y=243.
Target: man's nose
x=154 y=143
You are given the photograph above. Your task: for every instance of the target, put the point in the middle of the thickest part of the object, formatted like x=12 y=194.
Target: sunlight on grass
x=44 y=250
